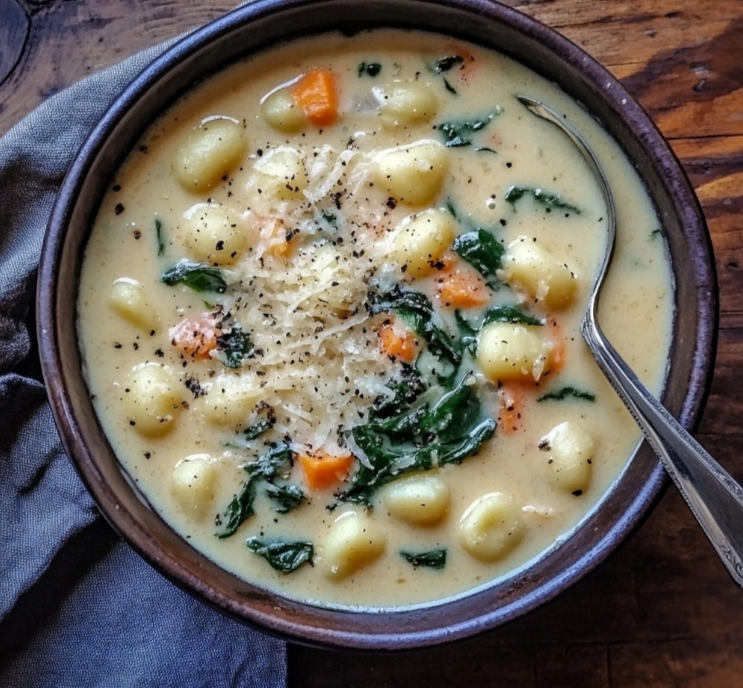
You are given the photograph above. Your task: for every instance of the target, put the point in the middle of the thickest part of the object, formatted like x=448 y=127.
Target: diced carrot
x=197 y=336
x=468 y=65
x=398 y=343
x=315 y=94
x=323 y=470
x=279 y=249
x=273 y=233
x=460 y=286
x=512 y=403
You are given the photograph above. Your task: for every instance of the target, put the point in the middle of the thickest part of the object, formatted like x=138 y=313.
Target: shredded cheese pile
x=317 y=359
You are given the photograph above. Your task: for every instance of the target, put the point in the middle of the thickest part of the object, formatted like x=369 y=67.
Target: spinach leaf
x=234 y=346
x=450 y=88
x=266 y=468
x=238 y=510
x=458 y=133
x=452 y=412
x=369 y=69
x=467 y=333
x=510 y=315
x=565 y=392
x=657 y=232
x=255 y=431
x=418 y=438
x=286 y=497
x=485 y=149
x=274 y=462
x=387 y=463
x=245 y=438
x=548 y=200
x=197 y=276
x=481 y=250
x=417 y=312
x=282 y=555
x=456 y=452
x=330 y=217
x=478 y=246
x=444 y=64
x=435 y=559
x=160 y=237
x=406 y=391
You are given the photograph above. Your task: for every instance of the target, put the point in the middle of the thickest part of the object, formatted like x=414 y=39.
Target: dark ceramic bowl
x=263 y=24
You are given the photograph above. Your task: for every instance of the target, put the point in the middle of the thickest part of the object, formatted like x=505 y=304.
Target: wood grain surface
x=661 y=611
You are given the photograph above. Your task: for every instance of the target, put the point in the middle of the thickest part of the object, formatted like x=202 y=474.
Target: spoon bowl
x=714 y=497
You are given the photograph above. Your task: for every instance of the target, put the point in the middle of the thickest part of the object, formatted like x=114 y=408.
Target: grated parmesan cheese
x=317 y=359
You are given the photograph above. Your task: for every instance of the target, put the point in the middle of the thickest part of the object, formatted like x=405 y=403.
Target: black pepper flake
x=578 y=493
x=116 y=187
x=119 y=209
x=143 y=149
x=135 y=345
x=147 y=455
x=137 y=234
x=159 y=353
x=117 y=345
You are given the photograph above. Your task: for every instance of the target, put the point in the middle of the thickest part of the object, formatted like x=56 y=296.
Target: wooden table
x=662 y=611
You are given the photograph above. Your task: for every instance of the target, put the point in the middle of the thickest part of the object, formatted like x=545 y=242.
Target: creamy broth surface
x=314 y=241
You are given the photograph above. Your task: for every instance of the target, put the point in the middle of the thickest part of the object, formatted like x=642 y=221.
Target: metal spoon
x=714 y=498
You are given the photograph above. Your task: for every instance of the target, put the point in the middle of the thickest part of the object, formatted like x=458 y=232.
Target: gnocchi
x=128 y=299
x=211 y=151
x=214 y=233
x=152 y=399
x=404 y=104
x=412 y=174
x=569 y=449
x=539 y=274
x=279 y=175
x=192 y=484
x=491 y=527
x=351 y=543
x=281 y=112
x=230 y=400
x=509 y=351
x=419 y=500
x=421 y=240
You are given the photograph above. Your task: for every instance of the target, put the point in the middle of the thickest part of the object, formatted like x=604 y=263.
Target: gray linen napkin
x=77 y=606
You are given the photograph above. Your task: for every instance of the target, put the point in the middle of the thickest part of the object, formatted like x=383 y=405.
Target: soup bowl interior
x=259 y=26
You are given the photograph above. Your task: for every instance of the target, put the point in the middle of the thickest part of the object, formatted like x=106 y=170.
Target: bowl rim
x=269 y=611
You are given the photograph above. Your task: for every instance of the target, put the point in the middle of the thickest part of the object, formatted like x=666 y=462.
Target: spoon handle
x=715 y=499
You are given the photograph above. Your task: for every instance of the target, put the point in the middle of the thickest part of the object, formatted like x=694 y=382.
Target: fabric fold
x=115 y=621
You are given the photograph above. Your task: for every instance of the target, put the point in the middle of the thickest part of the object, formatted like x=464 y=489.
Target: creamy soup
x=329 y=313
